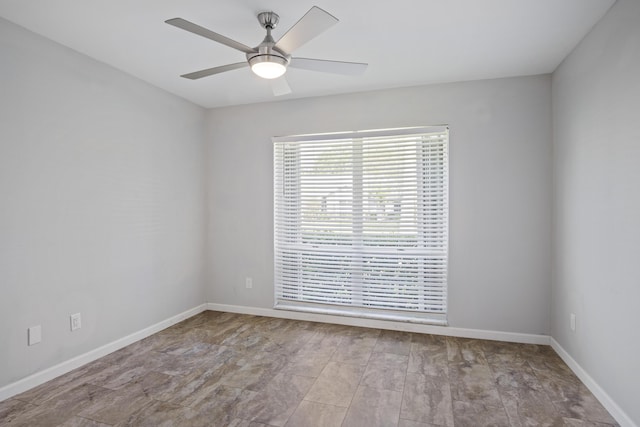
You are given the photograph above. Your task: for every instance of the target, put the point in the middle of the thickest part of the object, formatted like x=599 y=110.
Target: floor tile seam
x=89 y=419
x=153 y=401
x=423 y=352
x=421 y=422
x=340 y=362
x=368 y=359
x=324 y=403
x=352 y=396
x=148 y=402
x=297 y=406
x=333 y=352
x=448 y=378
x=471 y=402
x=482 y=400
x=22 y=400
x=184 y=399
x=355 y=345
x=500 y=394
x=119 y=388
x=57 y=395
x=404 y=386
x=544 y=389
x=384 y=370
x=584 y=419
x=346 y=414
x=376 y=390
x=354 y=365
x=391 y=354
x=103 y=389
x=467 y=364
x=311 y=388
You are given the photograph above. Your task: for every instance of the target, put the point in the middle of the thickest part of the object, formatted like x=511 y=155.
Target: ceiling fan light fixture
x=268 y=66
x=270 y=59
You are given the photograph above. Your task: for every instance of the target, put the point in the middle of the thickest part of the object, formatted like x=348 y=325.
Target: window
x=361 y=223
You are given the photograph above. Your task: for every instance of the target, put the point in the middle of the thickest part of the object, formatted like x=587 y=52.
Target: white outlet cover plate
x=572 y=322
x=34 y=334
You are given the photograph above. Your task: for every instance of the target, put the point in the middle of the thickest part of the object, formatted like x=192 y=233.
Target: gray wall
x=500 y=191
x=596 y=112
x=101 y=203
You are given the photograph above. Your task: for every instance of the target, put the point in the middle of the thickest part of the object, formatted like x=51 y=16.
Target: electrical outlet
x=76 y=321
x=572 y=322
x=248 y=283
x=34 y=335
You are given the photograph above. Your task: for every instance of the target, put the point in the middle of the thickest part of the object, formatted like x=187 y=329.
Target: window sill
x=395 y=316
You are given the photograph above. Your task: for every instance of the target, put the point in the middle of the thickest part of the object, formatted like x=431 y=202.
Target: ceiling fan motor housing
x=268 y=19
x=266 y=51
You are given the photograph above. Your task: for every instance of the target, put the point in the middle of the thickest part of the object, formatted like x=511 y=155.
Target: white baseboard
x=385 y=324
x=621 y=417
x=67 y=366
x=71 y=364
x=610 y=405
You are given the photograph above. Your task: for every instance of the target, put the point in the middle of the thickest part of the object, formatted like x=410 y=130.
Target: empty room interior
x=285 y=213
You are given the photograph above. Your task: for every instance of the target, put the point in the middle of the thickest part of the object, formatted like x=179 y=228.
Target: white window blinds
x=361 y=223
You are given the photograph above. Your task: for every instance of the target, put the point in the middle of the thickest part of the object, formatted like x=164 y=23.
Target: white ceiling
x=405 y=42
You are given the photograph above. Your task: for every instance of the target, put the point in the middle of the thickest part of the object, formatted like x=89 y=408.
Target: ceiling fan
x=270 y=59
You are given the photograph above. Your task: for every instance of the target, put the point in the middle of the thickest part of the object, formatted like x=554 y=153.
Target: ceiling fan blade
x=280 y=86
x=313 y=23
x=201 y=31
x=215 y=70
x=336 y=67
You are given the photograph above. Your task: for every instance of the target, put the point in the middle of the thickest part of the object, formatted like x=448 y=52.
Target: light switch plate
x=76 y=321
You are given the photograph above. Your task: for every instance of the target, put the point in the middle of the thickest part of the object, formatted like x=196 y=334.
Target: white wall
x=101 y=203
x=500 y=191
x=596 y=115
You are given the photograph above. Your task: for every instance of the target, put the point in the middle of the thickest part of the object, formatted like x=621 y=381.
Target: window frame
x=431 y=317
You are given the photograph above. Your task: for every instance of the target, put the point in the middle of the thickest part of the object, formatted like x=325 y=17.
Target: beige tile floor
x=223 y=369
